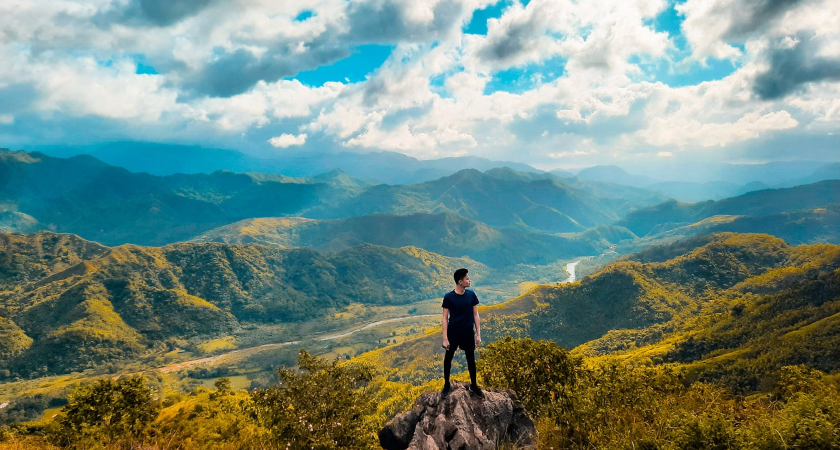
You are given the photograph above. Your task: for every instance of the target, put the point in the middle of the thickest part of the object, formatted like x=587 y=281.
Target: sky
x=551 y=83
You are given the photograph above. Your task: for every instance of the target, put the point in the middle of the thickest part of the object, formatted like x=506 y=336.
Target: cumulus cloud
x=692 y=132
x=597 y=77
x=792 y=65
x=287 y=140
x=709 y=26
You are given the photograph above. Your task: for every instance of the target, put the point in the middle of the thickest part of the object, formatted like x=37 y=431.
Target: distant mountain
x=443 y=233
x=826 y=172
x=695 y=192
x=499 y=198
x=614 y=174
x=85 y=196
x=810 y=226
x=382 y=167
x=670 y=215
x=67 y=304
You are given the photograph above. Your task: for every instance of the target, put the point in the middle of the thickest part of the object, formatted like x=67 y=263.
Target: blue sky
x=552 y=83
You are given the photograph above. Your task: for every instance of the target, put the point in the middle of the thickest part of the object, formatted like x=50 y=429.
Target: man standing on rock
x=460 y=315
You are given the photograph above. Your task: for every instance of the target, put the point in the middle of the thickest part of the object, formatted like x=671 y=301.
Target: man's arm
x=445 y=326
x=477 y=321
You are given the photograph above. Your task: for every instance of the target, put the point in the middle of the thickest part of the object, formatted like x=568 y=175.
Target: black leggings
x=467 y=343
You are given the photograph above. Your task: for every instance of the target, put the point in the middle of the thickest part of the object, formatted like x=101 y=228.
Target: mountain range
x=67 y=304
x=110 y=205
x=732 y=308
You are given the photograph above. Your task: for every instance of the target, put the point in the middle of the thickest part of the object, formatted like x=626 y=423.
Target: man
x=460 y=315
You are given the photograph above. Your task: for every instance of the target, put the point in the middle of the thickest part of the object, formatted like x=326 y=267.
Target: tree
x=107 y=411
x=541 y=372
x=325 y=406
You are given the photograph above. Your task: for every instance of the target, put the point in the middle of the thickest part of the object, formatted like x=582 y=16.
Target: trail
x=258 y=348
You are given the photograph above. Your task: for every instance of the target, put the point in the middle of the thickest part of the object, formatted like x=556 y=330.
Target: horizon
x=555 y=85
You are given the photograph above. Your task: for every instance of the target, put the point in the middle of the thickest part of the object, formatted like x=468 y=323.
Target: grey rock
x=461 y=421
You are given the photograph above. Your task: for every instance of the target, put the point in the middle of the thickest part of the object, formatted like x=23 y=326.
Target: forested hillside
x=68 y=304
x=768 y=202
x=443 y=233
x=110 y=205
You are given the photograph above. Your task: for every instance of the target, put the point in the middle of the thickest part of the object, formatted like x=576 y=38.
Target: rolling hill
x=443 y=233
x=729 y=307
x=68 y=304
x=83 y=196
x=672 y=214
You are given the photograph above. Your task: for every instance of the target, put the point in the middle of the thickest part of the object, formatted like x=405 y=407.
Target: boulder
x=461 y=421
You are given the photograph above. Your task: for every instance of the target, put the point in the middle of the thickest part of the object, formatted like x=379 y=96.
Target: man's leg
x=470 y=354
x=447 y=366
x=447 y=361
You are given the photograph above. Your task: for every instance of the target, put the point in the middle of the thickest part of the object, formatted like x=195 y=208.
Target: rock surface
x=461 y=421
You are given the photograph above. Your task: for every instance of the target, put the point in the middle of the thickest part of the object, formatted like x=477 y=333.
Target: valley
x=189 y=281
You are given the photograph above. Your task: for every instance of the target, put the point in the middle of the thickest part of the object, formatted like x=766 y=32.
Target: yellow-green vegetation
x=719 y=342
x=62 y=312
x=328 y=405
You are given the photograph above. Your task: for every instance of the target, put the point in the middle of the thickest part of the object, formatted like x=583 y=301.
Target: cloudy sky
x=552 y=83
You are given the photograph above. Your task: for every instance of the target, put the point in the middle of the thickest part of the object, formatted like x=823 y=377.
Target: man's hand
x=445 y=343
x=478 y=340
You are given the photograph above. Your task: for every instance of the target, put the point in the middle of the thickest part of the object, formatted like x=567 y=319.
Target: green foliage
x=212 y=420
x=542 y=373
x=107 y=412
x=323 y=407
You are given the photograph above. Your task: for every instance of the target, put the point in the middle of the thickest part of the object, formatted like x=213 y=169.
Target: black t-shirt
x=460 y=310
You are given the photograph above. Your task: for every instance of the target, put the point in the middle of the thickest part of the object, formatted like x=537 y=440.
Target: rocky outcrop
x=461 y=421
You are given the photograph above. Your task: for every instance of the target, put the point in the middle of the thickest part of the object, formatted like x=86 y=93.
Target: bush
x=542 y=373
x=107 y=412
x=323 y=407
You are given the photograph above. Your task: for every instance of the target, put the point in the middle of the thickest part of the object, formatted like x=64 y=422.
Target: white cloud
x=225 y=71
x=664 y=154
x=287 y=140
x=683 y=133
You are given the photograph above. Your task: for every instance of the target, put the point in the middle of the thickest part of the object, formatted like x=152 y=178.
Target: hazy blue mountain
x=673 y=214
x=447 y=234
x=615 y=174
x=499 y=198
x=826 y=172
x=382 y=167
x=687 y=191
x=111 y=205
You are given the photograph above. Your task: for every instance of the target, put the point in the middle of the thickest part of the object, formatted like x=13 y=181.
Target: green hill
x=499 y=198
x=811 y=226
x=84 y=196
x=731 y=307
x=768 y=202
x=68 y=304
x=443 y=233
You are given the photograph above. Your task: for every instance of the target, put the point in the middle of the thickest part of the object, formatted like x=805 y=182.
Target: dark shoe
x=474 y=389
x=447 y=388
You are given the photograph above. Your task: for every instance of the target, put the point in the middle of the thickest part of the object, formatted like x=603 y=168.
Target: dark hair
x=460 y=274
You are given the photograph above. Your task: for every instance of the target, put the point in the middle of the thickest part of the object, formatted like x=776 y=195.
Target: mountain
x=670 y=215
x=615 y=174
x=85 y=196
x=731 y=308
x=686 y=191
x=810 y=226
x=67 y=304
x=826 y=172
x=499 y=198
x=442 y=233
x=381 y=167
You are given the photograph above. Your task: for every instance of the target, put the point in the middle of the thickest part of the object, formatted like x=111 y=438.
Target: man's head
x=461 y=278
